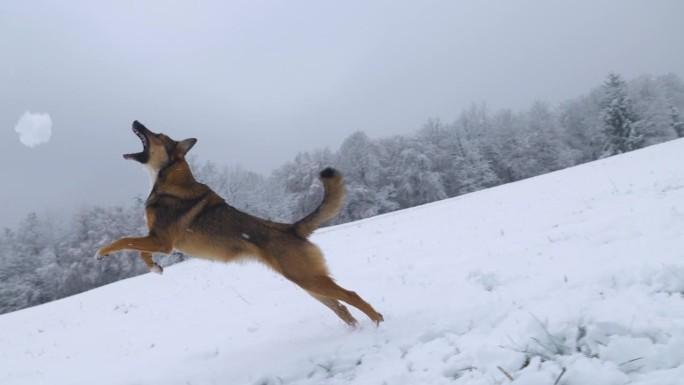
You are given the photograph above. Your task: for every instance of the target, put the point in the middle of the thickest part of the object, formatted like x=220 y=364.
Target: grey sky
x=258 y=81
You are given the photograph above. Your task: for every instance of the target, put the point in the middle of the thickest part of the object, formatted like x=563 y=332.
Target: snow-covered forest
x=44 y=259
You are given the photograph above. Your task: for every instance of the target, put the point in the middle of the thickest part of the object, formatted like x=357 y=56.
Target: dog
x=185 y=215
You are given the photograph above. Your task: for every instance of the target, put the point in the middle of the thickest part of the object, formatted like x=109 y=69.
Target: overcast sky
x=258 y=81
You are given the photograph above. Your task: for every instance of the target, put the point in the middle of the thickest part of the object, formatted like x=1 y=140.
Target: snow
x=34 y=128
x=582 y=270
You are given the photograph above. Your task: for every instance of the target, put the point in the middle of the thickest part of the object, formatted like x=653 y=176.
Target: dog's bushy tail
x=332 y=202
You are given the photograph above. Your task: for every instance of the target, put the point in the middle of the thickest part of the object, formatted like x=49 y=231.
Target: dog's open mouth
x=142 y=156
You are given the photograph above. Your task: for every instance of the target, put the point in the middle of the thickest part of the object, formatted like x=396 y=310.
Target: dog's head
x=159 y=150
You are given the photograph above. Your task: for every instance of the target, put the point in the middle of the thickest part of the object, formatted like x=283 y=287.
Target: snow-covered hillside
x=580 y=270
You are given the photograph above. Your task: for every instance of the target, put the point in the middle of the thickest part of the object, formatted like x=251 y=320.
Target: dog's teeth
x=142 y=137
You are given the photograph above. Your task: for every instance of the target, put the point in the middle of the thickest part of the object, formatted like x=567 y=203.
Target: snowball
x=34 y=128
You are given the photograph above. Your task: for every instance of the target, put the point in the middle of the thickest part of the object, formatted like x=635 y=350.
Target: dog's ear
x=184 y=146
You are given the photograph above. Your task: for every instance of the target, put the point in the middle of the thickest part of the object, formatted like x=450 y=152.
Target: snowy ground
x=581 y=269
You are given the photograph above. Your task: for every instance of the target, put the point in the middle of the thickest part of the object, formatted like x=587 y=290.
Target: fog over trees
x=44 y=259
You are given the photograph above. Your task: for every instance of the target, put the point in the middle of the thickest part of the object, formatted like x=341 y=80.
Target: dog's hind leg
x=338 y=308
x=306 y=268
x=324 y=286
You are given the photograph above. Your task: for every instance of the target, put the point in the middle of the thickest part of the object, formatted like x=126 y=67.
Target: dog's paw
x=157 y=269
x=351 y=322
x=377 y=319
x=99 y=255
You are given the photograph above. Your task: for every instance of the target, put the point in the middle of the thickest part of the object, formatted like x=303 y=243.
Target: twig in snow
x=630 y=361
x=559 y=376
x=238 y=294
x=505 y=373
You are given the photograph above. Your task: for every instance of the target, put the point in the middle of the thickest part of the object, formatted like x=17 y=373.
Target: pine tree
x=621 y=124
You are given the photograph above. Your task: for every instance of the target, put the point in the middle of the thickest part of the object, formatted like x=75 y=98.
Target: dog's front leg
x=147 y=258
x=149 y=244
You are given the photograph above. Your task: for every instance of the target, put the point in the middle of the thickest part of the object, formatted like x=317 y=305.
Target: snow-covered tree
x=544 y=141
x=676 y=122
x=621 y=124
x=366 y=195
x=651 y=102
x=581 y=126
x=6 y=241
x=414 y=182
x=471 y=170
x=439 y=142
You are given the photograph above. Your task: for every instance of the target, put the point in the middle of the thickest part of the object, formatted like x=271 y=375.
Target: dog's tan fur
x=188 y=216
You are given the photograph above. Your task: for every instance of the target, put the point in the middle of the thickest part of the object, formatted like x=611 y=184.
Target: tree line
x=44 y=259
